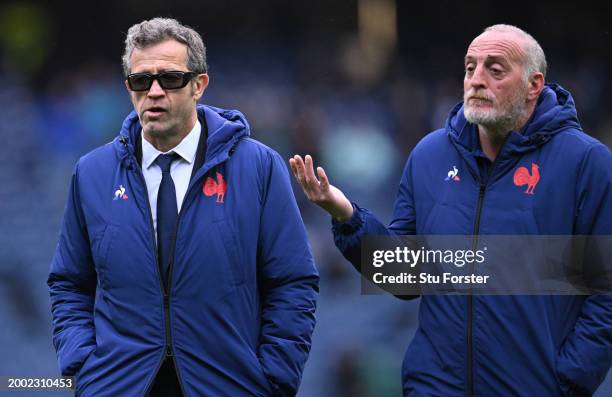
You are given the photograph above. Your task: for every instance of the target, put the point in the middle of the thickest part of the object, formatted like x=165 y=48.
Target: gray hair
x=154 y=31
x=535 y=60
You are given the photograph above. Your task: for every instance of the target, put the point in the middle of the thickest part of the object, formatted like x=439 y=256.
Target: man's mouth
x=155 y=111
x=479 y=100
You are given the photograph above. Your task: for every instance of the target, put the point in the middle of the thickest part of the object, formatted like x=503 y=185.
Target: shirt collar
x=186 y=148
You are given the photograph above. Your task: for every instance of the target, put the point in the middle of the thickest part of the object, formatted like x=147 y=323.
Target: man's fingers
x=323 y=179
x=319 y=191
x=299 y=169
x=316 y=187
x=311 y=179
x=293 y=166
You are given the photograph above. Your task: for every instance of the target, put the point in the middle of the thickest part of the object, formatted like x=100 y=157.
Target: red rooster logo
x=218 y=187
x=522 y=177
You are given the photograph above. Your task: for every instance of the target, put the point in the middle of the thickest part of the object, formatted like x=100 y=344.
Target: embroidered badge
x=523 y=177
x=453 y=175
x=120 y=193
x=212 y=187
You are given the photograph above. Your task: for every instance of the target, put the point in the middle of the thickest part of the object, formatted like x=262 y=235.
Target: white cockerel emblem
x=453 y=175
x=120 y=193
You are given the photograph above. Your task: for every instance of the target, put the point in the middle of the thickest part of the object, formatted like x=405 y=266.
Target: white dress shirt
x=180 y=169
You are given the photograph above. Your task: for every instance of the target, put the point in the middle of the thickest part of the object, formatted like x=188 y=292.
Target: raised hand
x=319 y=191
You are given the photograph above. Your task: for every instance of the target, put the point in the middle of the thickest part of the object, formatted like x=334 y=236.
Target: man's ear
x=200 y=82
x=535 y=87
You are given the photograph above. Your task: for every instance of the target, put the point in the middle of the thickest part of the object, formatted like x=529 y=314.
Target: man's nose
x=156 y=90
x=478 y=78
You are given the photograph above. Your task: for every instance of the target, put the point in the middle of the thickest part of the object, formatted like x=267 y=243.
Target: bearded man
x=509 y=123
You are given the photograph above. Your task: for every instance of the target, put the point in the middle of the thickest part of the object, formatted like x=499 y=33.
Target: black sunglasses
x=167 y=80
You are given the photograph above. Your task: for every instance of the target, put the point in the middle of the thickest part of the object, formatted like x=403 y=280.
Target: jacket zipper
x=470 y=302
x=161 y=282
x=166 y=289
x=169 y=353
x=470 y=309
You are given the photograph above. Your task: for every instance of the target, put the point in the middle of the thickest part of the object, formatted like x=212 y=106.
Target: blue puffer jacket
x=504 y=345
x=239 y=314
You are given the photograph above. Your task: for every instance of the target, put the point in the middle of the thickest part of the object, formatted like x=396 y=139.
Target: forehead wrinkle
x=504 y=48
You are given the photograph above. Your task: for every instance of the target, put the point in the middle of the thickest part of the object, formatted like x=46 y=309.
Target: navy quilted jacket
x=504 y=345
x=239 y=313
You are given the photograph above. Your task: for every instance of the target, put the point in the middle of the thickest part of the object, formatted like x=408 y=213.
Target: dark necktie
x=167 y=213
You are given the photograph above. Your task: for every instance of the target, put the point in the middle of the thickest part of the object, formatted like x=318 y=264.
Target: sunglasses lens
x=171 y=80
x=140 y=82
x=167 y=80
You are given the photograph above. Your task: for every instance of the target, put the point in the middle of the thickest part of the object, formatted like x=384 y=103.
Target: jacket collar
x=222 y=129
x=555 y=111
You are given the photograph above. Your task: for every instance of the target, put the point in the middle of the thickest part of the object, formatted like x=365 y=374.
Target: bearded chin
x=498 y=119
x=481 y=117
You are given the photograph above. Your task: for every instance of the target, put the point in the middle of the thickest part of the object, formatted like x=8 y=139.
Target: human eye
x=496 y=70
x=172 y=77
x=139 y=81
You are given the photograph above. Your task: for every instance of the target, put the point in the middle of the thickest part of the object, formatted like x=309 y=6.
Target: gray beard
x=499 y=122
x=504 y=122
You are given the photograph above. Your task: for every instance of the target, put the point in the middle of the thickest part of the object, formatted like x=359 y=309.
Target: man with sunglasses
x=183 y=267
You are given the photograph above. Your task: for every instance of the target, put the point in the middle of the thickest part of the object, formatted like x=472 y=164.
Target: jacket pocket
x=232 y=250
x=262 y=378
x=79 y=375
x=423 y=361
x=565 y=385
x=101 y=249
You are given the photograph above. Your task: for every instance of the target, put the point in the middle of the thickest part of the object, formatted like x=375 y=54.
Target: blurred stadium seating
x=307 y=75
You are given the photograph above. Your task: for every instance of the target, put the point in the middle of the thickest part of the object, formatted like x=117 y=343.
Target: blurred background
x=354 y=83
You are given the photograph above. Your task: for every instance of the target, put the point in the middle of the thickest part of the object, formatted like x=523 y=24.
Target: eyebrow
x=488 y=59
